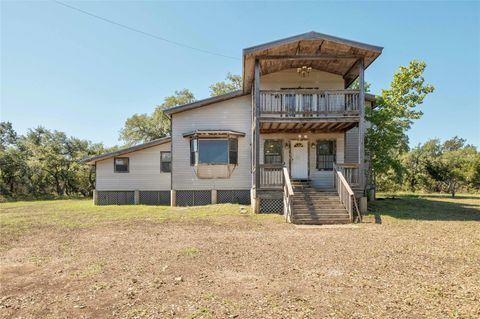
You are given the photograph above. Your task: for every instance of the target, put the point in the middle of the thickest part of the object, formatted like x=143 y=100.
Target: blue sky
x=68 y=71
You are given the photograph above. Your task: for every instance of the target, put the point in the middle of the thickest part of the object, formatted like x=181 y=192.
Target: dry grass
x=413 y=257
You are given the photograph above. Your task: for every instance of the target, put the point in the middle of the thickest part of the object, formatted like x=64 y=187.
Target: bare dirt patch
x=240 y=266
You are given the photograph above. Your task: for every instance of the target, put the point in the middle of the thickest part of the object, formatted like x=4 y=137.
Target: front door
x=299 y=159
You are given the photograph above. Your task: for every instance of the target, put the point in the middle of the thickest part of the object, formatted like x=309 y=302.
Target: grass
x=419 y=261
x=19 y=218
x=440 y=207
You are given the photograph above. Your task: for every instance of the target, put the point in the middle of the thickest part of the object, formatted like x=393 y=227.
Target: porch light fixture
x=304 y=71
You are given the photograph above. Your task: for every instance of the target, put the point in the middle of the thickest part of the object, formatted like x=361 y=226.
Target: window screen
x=165 y=162
x=121 y=164
x=326 y=155
x=272 y=152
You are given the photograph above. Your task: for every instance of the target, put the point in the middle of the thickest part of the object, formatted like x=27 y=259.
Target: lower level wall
x=164 y=197
x=206 y=197
x=131 y=197
x=269 y=202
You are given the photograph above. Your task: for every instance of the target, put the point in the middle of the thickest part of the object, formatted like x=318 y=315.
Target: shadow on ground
x=427 y=207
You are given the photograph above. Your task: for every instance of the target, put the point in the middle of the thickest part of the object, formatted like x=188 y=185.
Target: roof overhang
x=92 y=160
x=214 y=133
x=319 y=51
x=204 y=102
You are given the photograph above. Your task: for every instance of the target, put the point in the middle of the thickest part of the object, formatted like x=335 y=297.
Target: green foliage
x=356 y=85
x=386 y=139
x=7 y=135
x=44 y=162
x=141 y=128
x=455 y=166
x=436 y=167
x=232 y=83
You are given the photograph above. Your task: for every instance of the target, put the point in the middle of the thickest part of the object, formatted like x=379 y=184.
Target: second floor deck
x=306 y=109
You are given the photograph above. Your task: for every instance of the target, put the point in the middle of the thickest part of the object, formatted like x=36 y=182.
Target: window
x=326 y=155
x=213 y=151
x=121 y=164
x=272 y=150
x=165 y=162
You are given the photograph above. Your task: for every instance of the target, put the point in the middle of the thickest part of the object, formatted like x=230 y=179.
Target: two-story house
x=291 y=141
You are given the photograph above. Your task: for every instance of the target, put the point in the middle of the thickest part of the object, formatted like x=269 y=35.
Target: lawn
x=416 y=256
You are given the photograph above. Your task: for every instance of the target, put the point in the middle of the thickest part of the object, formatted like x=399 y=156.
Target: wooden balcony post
x=257 y=124
x=361 y=122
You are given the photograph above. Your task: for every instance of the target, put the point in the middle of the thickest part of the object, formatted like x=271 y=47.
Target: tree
x=395 y=110
x=415 y=161
x=455 y=166
x=356 y=85
x=141 y=128
x=231 y=83
x=8 y=136
x=44 y=162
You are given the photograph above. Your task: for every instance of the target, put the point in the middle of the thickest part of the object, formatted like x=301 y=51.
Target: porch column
x=257 y=124
x=361 y=122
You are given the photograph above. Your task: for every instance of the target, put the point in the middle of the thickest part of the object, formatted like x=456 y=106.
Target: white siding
x=351 y=145
x=321 y=179
x=144 y=172
x=234 y=114
x=351 y=141
x=291 y=79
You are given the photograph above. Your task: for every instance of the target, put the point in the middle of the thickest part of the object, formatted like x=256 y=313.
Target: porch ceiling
x=305 y=127
x=319 y=51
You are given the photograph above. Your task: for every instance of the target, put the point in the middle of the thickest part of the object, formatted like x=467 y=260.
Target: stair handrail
x=345 y=192
x=287 y=195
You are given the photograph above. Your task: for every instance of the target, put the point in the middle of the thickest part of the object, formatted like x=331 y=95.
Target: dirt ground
x=236 y=265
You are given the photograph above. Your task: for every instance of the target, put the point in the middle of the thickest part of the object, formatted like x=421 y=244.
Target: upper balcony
x=308 y=110
x=309 y=103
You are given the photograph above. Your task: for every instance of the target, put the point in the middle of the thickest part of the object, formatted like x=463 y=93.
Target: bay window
x=213 y=151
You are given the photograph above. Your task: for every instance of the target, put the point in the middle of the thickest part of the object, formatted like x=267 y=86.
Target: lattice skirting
x=154 y=197
x=271 y=205
x=115 y=198
x=233 y=196
x=193 y=198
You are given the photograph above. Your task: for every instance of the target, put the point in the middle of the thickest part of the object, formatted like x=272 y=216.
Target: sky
x=68 y=71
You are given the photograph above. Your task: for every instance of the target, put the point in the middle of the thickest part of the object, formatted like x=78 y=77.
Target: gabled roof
x=93 y=159
x=207 y=101
x=317 y=50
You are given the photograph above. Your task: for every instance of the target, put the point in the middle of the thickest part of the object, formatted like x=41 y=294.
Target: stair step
x=320 y=222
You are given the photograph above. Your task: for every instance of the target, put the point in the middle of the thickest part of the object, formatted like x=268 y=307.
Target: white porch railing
x=308 y=103
x=287 y=195
x=351 y=172
x=347 y=196
x=271 y=176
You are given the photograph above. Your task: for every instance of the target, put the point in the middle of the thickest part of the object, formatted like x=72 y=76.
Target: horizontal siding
x=234 y=114
x=144 y=172
x=290 y=79
x=351 y=146
x=322 y=179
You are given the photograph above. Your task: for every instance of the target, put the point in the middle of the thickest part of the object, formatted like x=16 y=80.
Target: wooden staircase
x=312 y=206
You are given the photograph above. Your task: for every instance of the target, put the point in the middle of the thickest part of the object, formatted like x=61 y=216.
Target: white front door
x=299 y=159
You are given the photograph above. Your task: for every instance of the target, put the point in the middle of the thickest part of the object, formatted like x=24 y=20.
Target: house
x=291 y=141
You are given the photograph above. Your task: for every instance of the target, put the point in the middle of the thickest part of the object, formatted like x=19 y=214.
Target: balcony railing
x=271 y=176
x=351 y=173
x=309 y=103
